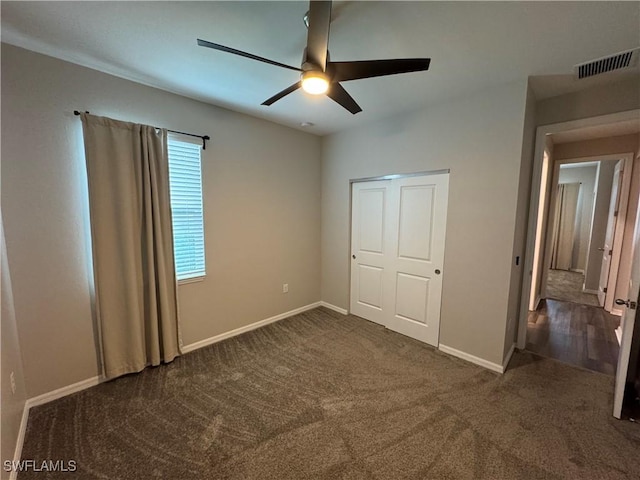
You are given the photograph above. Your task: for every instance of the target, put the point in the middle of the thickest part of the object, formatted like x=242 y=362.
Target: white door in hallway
x=607 y=248
x=408 y=239
x=630 y=315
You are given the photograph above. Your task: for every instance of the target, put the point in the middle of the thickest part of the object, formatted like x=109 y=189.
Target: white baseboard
x=507 y=358
x=616 y=311
x=41 y=400
x=247 y=328
x=64 y=391
x=330 y=306
x=592 y=292
x=495 y=367
x=618 y=332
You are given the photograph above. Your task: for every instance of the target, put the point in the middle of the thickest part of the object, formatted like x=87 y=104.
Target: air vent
x=607 y=64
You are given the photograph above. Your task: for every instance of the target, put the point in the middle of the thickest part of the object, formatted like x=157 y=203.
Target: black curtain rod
x=203 y=137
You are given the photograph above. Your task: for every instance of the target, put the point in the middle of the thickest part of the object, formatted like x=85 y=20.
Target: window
x=185 y=182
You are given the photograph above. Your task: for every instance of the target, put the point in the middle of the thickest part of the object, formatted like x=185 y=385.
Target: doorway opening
x=571 y=321
x=580 y=210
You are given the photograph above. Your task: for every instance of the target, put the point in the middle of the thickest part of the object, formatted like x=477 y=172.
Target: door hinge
x=604 y=290
x=633 y=305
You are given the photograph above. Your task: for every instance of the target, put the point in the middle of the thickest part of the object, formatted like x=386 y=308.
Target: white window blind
x=185 y=180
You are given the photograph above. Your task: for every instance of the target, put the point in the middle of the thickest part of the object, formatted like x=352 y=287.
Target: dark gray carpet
x=323 y=396
x=567 y=286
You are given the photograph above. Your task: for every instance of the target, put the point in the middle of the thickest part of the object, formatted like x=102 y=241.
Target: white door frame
x=536 y=177
x=619 y=232
x=390 y=176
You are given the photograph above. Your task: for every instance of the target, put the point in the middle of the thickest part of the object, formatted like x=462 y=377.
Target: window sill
x=191 y=280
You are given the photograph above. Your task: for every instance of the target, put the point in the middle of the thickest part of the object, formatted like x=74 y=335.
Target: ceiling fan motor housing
x=307 y=65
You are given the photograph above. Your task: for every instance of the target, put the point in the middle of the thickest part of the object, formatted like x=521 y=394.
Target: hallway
x=576 y=334
x=567 y=286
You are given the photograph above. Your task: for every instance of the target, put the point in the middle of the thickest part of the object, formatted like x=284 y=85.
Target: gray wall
x=598 y=146
x=12 y=404
x=601 y=100
x=479 y=138
x=261 y=199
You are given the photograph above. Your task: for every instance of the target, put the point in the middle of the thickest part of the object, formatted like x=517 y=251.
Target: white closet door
x=369 y=248
x=418 y=217
x=400 y=270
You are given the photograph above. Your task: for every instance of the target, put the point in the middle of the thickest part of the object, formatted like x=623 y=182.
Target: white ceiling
x=473 y=45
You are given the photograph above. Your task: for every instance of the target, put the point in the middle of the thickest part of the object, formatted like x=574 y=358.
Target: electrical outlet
x=285 y=288
x=13 y=382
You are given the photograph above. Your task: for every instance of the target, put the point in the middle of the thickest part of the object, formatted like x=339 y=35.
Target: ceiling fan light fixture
x=315 y=82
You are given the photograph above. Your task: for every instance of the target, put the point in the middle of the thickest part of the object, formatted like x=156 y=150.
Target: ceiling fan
x=319 y=75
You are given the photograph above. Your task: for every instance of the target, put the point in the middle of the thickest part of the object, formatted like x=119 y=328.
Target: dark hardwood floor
x=573 y=333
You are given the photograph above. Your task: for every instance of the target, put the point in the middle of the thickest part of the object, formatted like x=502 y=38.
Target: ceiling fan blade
x=283 y=93
x=318 y=34
x=343 y=71
x=338 y=94
x=222 y=48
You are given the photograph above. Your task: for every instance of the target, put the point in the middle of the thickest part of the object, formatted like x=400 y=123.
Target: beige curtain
x=564 y=221
x=136 y=302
